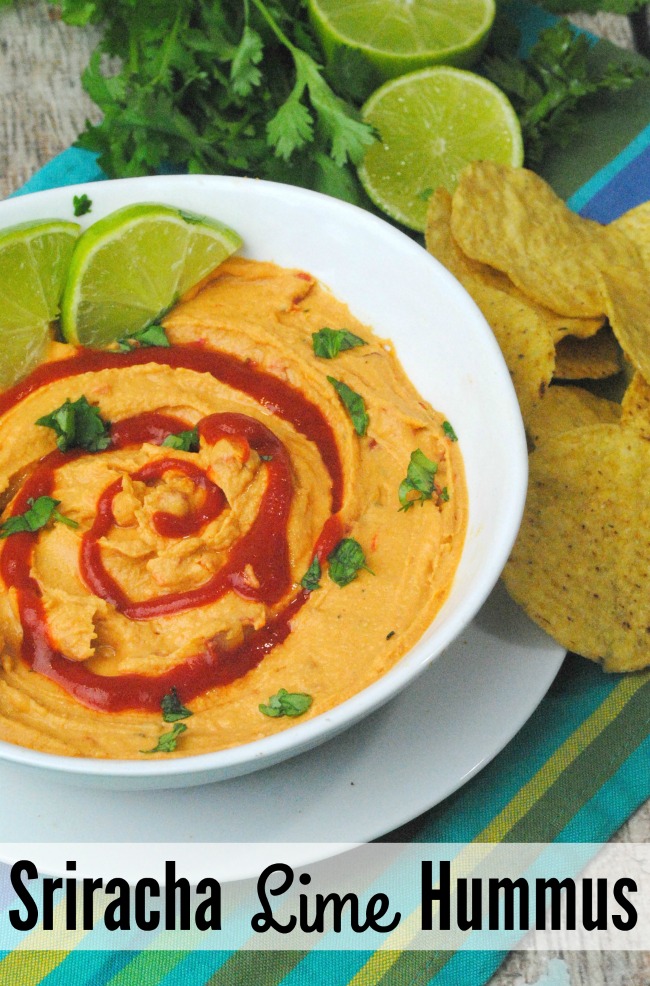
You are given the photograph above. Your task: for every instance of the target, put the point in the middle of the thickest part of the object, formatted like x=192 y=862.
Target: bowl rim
x=301 y=736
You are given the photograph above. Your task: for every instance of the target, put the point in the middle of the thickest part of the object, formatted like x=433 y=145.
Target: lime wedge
x=383 y=39
x=34 y=259
x=431 y=124
x=128 y=268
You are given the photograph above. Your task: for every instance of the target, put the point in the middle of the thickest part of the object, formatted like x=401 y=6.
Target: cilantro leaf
x=78 y=424
x=167 y=741
x=345 y=562
x=449 y=431
x=151 y=335
x=285 y=703
x=354 y=405
x=419 y=484
x=328 y=343
x=40 y=512
x=311 y=579
x=81 y=204
x=172 y=708
x=184 y=441
x=244 y=72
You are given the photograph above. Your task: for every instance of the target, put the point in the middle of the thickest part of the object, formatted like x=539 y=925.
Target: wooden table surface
x=43 y=108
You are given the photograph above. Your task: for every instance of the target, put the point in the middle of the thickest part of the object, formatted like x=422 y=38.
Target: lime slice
x=128 y=268
x=431 y=124
x=388 y=38
x=34 y=259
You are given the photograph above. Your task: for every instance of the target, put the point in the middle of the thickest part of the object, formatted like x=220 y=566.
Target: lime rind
x=131 y=266
x=396 y=38
x=34 y=260
x=431 y=123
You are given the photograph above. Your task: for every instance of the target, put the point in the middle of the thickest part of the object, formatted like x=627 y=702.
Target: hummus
x=186 y=569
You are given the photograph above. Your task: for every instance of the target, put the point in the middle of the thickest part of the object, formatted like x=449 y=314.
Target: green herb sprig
x=419 y=484
x=167 y=741
x=172 y=707
x=184 y=441
x=41 y=511
x=346 y=561
x=548 y=86
x=230 y=87
x=150 y=336
x=354 y=405
x=285 y=703
x=328 y=343
x=78 y=424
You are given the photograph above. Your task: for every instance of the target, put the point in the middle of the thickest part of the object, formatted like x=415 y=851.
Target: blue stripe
x=619 y=186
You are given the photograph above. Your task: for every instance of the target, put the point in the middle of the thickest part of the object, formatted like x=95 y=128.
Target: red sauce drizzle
x=263 y=547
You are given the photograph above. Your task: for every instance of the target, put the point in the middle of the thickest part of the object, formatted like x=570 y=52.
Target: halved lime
x=389 y=38
x=431 y=124
x=34 y=259
x=131 y=266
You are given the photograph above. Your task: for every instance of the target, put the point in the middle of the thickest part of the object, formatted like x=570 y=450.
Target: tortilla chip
x=582 y=328
x=627 y=293
x=520 y=330
x=581 y=564
x=635 y=224
x=588 y=359
x=511 y=219
x=565 y=408
x=635 y=407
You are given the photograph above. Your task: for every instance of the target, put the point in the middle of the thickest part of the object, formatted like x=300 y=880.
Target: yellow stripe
x=388 y=954
x=28 y=968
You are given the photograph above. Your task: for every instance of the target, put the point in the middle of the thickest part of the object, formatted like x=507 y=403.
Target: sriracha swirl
x=262 y=548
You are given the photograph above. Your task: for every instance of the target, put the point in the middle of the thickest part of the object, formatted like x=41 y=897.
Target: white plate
x=446 y=348
x=397 y=763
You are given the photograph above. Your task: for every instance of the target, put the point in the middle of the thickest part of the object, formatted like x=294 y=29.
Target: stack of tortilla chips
x=568 y=300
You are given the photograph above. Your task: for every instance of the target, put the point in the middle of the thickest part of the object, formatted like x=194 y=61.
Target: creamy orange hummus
x=334 y=641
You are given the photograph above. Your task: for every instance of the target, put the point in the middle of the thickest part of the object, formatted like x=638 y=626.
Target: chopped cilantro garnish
x=184 y=441
x=328 y=343
x=449 y=431
x=150 y=336
x=419 y=484
x=311 y=578
x=285 y=703
x=78 y=424
x=40 y=512
x=167 y=741
x=172 y=708
x=354 y=405
x=81 y=204
x=345 y=561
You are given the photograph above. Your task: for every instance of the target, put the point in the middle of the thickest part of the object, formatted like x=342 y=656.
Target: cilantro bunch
x=549 y=85
x=216 y=86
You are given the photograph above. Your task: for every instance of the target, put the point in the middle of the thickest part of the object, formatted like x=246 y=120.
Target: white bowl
x=445 y=346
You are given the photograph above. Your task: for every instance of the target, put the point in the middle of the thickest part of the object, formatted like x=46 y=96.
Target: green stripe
x=147 y=968
x=585 y=775
x=256 y=968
